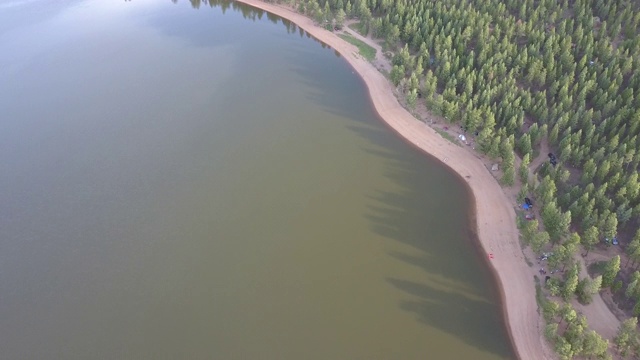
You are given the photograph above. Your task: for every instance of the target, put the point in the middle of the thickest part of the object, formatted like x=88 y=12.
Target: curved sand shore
x=495 y=216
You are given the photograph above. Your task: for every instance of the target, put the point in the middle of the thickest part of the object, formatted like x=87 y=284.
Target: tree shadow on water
x=319 y=81
x=468 y=319
x=427 y=209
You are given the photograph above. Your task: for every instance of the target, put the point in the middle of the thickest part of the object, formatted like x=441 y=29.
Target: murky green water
x=198 y=184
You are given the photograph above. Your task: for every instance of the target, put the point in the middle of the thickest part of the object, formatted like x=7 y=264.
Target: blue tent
x=526 y=207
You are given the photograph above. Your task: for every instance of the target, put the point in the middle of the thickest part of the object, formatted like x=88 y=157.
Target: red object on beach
x=490 y=255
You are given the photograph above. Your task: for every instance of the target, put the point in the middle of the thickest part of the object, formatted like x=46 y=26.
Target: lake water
x=180 y=183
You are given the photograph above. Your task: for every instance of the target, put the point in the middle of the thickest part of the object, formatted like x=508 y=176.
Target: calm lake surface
x=214 y=184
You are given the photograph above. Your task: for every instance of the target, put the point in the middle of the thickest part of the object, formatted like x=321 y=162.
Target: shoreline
x=493 y=212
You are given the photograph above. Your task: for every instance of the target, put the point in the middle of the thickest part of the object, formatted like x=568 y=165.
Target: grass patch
x=448 y=136
x=365 y=50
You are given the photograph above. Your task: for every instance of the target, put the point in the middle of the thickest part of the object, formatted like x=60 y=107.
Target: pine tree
x=412 y=98
x=539 y=240
x=508 y=174
x=555 y=222
x=523 y=171
x=494 y=147
x=318 y=15
x=567 y=314
x=558 y=257
x=397 y=74
x=610 y=227
x=529 y=230
x=595 y=285
x=550 y=310
x=551 y=332
x=627 y=338
x=402 y=57
x=590 y=238
x=326 y=12
x=595 y=345
x=611 y=271
x=632 y=290
x=340 y=18
x=524 y=144
x=485 y=136
x=571 y=284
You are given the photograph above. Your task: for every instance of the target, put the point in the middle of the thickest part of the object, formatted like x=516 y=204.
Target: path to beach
x=496 y=222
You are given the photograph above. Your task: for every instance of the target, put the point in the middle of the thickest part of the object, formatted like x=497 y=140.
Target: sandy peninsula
x=495 y=214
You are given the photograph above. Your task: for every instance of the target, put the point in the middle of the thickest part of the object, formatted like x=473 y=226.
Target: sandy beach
x=495 y=215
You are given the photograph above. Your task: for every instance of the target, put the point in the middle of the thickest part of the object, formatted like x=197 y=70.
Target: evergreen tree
x=529 y=230
x=570 y=283
x=550 y=310
x=626 y=339
x=590 y=238
x=326 y=12
x=340 y=18
x=524 y=144
x=508 y=174
x=610 y=227
x=397 y=74
x=412 y=98
x=551 y=331
x=539 y=240
x=318 y=15
x=611 y=271
x=485 y=136
x=595 y=345
x=523 y=171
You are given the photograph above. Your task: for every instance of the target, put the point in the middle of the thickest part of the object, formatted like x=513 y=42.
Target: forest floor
x=515 y=268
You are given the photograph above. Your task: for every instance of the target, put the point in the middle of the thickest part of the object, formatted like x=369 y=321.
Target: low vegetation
x=364 y=49
x=448 y=136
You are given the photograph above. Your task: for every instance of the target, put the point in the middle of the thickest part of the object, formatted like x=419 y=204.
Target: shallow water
x=213 y=183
